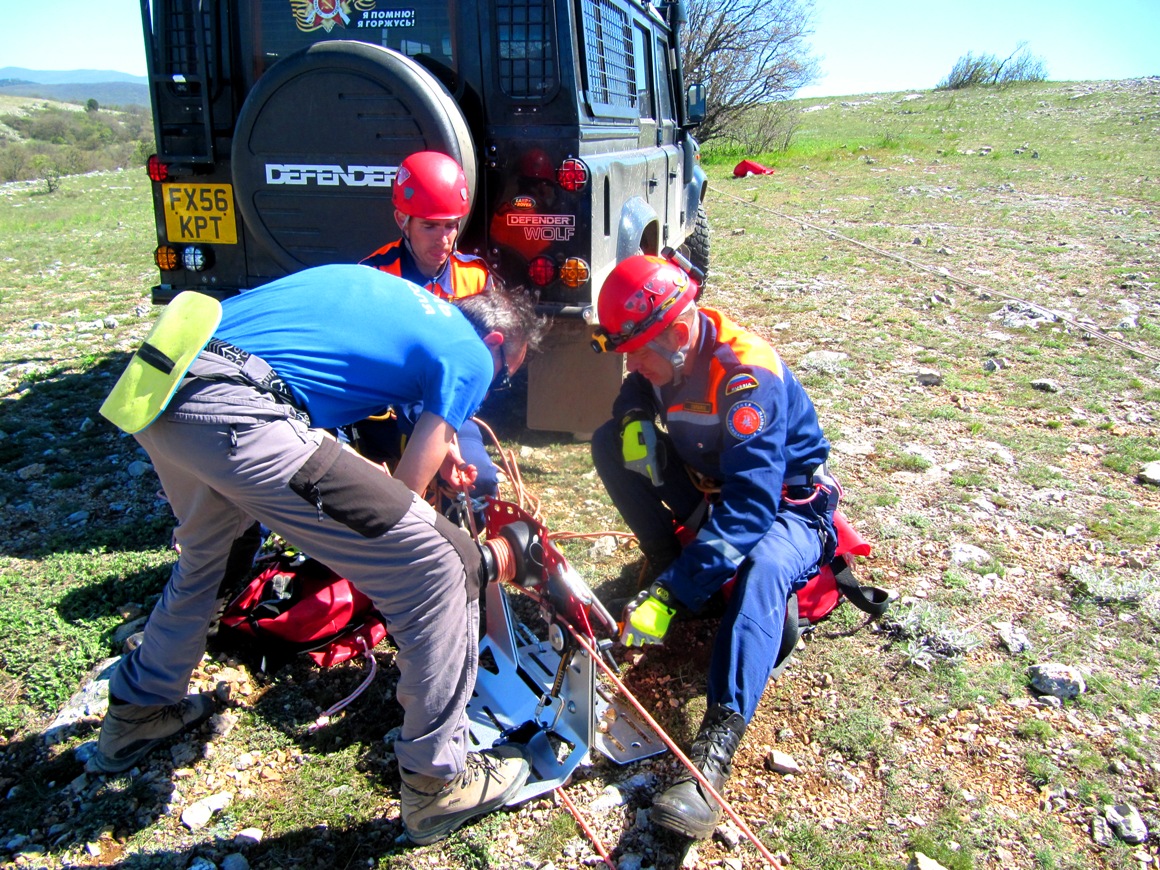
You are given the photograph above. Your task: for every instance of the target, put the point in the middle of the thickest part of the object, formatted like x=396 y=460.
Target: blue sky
x=865 y=46
x=898 y=45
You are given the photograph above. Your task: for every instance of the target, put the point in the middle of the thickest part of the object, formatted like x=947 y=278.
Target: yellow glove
x=638 y=444
x=647 y=617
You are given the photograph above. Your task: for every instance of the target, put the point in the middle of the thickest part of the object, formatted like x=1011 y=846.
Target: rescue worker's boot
x=685 y=807
x=130 y=731
x=434 y=807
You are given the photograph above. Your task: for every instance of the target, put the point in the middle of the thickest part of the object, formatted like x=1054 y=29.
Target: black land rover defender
x=280 y=125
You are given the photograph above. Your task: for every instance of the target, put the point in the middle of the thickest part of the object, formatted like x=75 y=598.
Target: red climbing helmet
x=430 y=186
x=640 y=298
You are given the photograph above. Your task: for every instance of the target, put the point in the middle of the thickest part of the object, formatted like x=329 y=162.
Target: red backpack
x=297 y=604
x=825 y=590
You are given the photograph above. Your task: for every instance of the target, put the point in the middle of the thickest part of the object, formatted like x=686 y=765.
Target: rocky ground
x=913 y=756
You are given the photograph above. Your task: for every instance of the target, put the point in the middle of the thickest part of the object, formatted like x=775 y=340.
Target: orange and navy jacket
x=741 y=418
x=462 y=275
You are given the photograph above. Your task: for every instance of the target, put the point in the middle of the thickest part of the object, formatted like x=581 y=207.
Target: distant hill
x=105 y=93
x=68 y=77
x=107 y=87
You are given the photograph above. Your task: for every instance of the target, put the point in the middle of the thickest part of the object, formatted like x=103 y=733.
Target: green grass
x=1073 y=230
x=859 y=733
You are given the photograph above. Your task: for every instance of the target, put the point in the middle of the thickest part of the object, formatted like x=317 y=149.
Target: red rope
x=502 y=551
x=592 y=835
x=505 y=563
x=700 y=777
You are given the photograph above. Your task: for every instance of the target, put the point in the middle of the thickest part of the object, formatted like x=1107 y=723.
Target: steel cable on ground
x=946 y=275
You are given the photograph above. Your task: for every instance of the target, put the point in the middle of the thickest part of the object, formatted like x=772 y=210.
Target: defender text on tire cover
x=290 y=195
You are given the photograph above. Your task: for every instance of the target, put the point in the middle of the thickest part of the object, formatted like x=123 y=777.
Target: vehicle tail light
x=575 y=272
x=166 y=258
x=572 y=175
x=197 y=258
x=157 y=170
x=541 y=271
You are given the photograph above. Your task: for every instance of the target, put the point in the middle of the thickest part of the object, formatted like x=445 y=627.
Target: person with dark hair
x=431 y=201
x=247 y=436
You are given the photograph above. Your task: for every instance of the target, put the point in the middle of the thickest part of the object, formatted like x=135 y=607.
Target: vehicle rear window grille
x=609 y=70
x=526 y=48
x=179 y=34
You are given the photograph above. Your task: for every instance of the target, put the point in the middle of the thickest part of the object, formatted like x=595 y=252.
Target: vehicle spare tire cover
x=318 y=142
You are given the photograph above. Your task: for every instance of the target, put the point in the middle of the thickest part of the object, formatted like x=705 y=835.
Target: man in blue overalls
x=735 y=422
x=430 y=198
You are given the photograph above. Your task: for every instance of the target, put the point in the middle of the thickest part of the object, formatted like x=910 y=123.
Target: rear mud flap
x=570 y=387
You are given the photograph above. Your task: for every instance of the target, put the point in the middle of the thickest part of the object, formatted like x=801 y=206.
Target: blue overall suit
x=740 y=420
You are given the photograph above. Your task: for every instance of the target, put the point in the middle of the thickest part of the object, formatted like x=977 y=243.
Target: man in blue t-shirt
x=245 y=438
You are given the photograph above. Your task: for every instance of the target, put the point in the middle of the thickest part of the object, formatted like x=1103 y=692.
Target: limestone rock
x=1056 y=680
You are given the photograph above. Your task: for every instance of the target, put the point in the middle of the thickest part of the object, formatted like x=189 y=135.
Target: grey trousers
x=227 y=454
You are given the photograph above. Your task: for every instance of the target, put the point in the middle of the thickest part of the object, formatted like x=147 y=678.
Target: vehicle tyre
x=697 y=244
x=317 y=144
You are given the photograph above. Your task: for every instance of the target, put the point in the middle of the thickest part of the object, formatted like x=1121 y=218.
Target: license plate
x=200 y=213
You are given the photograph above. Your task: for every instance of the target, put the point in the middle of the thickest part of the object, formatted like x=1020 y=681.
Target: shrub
x=73 y=142
x=13 y=161
x=986 y=69
x=48 y=171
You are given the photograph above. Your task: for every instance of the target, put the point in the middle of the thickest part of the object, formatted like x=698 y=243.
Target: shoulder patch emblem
x=737 y=383
x=745 y=419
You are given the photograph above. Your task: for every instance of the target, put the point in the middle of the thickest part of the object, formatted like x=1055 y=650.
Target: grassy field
x=1002 y=244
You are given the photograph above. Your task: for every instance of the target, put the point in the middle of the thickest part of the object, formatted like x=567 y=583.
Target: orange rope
x=590 y=536
x=505 y=562
x=523 y=498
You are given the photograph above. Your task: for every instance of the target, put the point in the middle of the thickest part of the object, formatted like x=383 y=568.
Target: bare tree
x=1021 y=66
x=747 y=53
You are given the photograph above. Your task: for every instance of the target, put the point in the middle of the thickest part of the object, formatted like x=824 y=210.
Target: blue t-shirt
x=349 y=341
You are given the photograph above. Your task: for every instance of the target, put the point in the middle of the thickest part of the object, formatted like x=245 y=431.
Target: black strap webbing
x=868 y=599
x=156 y=358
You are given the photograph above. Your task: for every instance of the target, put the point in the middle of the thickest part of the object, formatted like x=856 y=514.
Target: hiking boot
x=130 y=730
x=685 y=807
x=434 y=807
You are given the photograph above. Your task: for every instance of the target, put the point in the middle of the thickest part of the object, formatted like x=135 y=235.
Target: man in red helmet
x=739 y=425
x=431 y=201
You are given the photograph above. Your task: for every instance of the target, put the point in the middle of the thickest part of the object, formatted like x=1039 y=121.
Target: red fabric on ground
x=749 y=167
